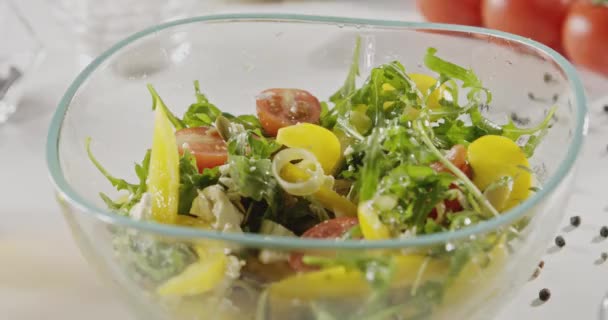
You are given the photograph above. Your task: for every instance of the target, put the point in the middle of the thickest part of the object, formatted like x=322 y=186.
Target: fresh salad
x=403 y=155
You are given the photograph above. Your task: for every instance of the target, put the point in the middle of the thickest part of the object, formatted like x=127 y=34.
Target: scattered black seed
x=535 y=274
x=522 y=121
x=604 y=256
x=555 y=98
x=541 y=264
x=531 y=96
x=604 y=232
x=560 y=242
x=544 y=294
x=575 y=221
x=548 y=78
x=606 y=108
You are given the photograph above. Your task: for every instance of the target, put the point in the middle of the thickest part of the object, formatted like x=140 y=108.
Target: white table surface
x=42 y=274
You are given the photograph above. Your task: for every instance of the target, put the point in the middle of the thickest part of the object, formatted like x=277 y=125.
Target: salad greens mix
x=402 y=155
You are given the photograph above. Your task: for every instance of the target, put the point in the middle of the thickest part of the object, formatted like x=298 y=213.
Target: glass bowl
x=464 y=274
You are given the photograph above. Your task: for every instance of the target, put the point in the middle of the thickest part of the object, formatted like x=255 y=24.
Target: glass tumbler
x=99 y=24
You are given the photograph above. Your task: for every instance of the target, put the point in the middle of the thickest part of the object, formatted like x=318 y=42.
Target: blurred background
x=45 y=43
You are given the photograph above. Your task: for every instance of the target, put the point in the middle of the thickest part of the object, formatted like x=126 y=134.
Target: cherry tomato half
x=458 y=156
x=328 y=229
x=540 y=20
x=278 y=108
x=205 y=144
x=467 y=12
x=585 y=35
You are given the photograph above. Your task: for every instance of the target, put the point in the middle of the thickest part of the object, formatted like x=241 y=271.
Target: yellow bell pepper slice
x=333 y=282
x=327 y=197
x=163 y=179
x=492 y=157
x=339 y=282
x=321 y=142
x=199 y=277
x=424 y=83
x=371 y=226
x=189 y=221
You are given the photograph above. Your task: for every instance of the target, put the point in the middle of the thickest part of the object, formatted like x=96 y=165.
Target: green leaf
x=135 y=191
x=204 y=113
x=451 y=70
x=535 y=134
x=431 y=226
x=251 y=143
x=191 y=181
x=350 y=83
x=373 y=167
x=253 y=179
x=158 y=102
x=451 y=132
x=328 y=117
x=248 y=121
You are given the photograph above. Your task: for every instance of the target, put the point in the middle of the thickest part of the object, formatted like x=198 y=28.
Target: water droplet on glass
x=449 y=247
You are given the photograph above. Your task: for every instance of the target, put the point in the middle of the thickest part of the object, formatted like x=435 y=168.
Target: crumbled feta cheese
x=213 y=205
x=348 y=151
x=142 y=210
x=270 y=256
x=272 y=228
x=233 y=267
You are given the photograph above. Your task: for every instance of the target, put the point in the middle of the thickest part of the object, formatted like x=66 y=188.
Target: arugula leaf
x=249 y=168
x=204 y=113
x=248 y=121
x=418 y=190
x=251 y=143
x=467 y=76
x=253 y=179
x=328 y=117
x=349 y=87
x=373 y=167
x=191 y=181
x=387 y=92
x=135 y=191
x=535 y=134
x=452 y=132
x=157 y=101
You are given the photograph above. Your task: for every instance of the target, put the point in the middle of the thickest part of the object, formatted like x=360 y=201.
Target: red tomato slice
x=540 y=20
x=278 y=108
x=328 y=229
x=458 y=156
x=205 y=144
x=585 y=35
x=467 y=12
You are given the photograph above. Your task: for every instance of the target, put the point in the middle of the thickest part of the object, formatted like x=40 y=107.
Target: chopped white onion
x=313 y=168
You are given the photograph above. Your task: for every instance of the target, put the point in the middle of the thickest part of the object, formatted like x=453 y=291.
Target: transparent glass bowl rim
x=257 y=240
